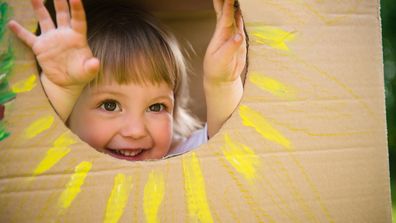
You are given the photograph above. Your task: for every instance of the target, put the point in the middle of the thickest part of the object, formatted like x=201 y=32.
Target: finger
x=91 y=67
x=239 y=21
x=27 y=37
x=62 y=13
x=218 y=6
x=78 y=21
x=43 y=16
x=227 y=14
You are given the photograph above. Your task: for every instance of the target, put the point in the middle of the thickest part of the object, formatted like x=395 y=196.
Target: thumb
x=91 y=67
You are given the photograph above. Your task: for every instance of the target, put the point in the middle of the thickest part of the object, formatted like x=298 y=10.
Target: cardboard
x=306 y=144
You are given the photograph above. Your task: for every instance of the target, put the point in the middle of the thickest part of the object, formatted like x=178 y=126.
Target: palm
x=61 y=53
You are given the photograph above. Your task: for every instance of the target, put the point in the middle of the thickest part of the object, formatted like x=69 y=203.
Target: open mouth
x=127 y=154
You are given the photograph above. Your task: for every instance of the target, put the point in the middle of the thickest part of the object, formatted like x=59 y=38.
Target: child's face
x=129 y=121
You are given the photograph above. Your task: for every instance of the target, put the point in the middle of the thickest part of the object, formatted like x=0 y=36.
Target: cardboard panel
x=306 y=144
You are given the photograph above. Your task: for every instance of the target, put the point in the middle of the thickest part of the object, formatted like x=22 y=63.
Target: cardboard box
x=306 y=144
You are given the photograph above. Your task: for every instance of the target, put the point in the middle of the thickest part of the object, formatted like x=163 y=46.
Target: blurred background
x=388 y=15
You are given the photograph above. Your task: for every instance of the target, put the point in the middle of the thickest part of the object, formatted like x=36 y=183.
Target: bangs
x=136 y=52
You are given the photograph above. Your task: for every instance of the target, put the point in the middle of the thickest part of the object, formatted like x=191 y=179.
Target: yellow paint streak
x=59 y=149
x=272 y=36
x=257 y=210
x=272 y=86
x=241 y=157
x=194 y=184
x=118 y=198
x=153 y=196
x=341 y=84
x=255 y=120
x=25 y=85
x=326 y=19
x=73 y=187
x=314 y=189
x=39 y=126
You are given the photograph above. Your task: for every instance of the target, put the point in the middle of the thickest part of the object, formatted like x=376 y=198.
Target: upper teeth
x=129 y=152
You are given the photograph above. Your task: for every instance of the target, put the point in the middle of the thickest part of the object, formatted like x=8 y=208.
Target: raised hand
x=62 y=52
x=224 y=61
x=225 y=58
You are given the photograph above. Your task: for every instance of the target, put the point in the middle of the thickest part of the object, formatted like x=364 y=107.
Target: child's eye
x=110 y=106
x=158 y=107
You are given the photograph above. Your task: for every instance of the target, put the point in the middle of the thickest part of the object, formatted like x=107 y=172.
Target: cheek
x=97 y=133
x=162 y=132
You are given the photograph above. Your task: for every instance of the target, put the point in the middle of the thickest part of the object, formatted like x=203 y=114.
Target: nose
x=134 y=126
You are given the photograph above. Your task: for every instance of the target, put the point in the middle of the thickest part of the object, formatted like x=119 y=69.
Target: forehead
x=146 y=89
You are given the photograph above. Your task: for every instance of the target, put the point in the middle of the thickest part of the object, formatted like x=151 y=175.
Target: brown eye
x=158 y=107
x=110 y=106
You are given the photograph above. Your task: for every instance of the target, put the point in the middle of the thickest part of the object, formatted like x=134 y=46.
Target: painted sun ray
x=271 y=36
x=59 y=149
x=118 y=198
x=73 y=187
x=255 y=120
x=257 y=210
x=272 y=190
x=194 y=183
x=241 y=157
x=338 y=82
x=272 y=86
x=153 y=196
x=296 y=194
x=314 y=189
x=25 y=85
x=39 y=126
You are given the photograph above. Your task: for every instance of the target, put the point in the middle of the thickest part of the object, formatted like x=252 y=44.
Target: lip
x=138 y=157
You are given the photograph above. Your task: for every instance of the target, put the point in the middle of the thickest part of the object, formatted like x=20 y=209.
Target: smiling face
x=127 y=121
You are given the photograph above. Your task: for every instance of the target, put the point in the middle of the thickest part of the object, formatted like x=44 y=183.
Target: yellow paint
x=271 y=85
x=73 y=187
x=118 y=198
x=59 y=149
x=153 y=196
x=25 y=85
x=255 y=120
x=272 y=36
x=194 y=184
x=241 y=157
x=39 y=126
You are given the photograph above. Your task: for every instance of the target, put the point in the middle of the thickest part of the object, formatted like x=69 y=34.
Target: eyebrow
x=167 y=97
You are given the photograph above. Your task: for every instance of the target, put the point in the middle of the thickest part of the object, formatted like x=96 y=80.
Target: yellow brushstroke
x=241 y=157
x=153 y=196
x=39 y=126
x=59 y=149
x=194 y=184
x=73 y=187
x=272 y=36
x=25 y=85
x=118 y=198
x=255 y=120
x=272 y=86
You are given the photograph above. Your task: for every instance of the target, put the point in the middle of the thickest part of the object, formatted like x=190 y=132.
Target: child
x=121 y=84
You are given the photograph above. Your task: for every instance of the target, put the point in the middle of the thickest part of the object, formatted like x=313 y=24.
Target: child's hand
x=224 y=62
x=62 y=52
x=225 y=57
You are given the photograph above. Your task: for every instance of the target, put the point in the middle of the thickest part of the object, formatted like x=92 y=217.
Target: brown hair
x=134 y=48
